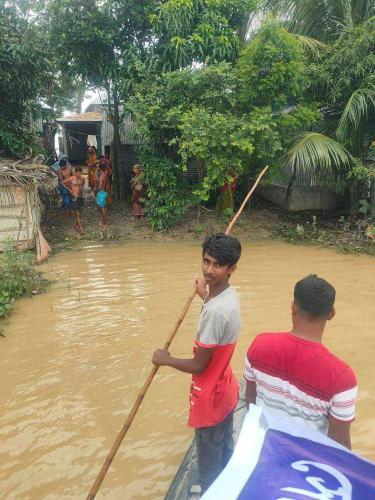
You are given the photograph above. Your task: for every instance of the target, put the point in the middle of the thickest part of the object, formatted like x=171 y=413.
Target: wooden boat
x=187 y=474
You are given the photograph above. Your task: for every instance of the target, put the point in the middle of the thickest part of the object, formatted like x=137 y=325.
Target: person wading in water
x=214 y=389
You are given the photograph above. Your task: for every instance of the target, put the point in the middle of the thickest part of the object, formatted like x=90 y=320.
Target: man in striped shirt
x=294 y=375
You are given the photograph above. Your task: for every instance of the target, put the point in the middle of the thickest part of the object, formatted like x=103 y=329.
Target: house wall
x=301 y=198
x=19 y=215
x=128 y=157
x=307 y=192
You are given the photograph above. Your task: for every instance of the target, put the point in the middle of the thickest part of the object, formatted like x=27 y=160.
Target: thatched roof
x=23 y=174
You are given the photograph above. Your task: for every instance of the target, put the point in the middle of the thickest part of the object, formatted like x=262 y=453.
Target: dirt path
x=260 y=221
x=257 y=223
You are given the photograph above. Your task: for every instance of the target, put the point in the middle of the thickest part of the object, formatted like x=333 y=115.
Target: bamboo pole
x=146 y=385
x=240 y=210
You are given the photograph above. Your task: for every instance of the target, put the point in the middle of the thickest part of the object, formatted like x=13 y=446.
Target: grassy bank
x=345 y=237
x=18 y=277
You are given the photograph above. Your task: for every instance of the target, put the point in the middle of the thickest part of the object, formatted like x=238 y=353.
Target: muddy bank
x=260 y=221
x=256 y=223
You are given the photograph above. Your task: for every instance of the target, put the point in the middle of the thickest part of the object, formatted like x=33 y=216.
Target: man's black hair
x=222 y=247
x=78 y=169
x=62 y=162
x=314 y=296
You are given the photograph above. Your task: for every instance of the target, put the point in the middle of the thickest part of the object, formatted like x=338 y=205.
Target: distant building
x=46 y=127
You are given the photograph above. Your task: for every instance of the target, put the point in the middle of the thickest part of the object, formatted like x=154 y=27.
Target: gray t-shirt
x=220 y=320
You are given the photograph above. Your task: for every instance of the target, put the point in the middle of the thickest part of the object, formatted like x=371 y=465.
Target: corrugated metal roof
x=83 y=117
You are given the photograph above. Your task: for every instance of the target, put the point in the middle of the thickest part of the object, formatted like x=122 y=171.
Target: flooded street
x=73 y=360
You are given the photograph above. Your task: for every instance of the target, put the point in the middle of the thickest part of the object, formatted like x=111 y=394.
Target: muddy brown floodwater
x=74 y=359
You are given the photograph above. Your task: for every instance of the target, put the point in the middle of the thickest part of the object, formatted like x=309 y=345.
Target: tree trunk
x=200 y=175
x=353 y=187
x=118 y=178
x=347 y=14
x=243 y=29
x=288 y=194
x=80 y=99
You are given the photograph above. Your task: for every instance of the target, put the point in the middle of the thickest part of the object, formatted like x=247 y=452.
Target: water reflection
x=74 y=360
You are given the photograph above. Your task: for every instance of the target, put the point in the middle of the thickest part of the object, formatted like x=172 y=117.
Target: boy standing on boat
x=214 y=389
x=292 y=374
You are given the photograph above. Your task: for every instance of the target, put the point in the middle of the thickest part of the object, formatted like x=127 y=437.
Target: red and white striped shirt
x=300 y=379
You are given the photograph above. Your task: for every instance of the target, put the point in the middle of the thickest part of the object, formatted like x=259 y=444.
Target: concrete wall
x=301 y=198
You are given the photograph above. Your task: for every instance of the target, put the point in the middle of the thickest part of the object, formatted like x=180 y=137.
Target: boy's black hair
x=78 y=169
x=314 y=296
x=62 y=162
x=222 y=247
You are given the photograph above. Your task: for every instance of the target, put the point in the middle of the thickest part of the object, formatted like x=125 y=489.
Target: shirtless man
x=101 y=197
x=63 y=173
x=75 y=185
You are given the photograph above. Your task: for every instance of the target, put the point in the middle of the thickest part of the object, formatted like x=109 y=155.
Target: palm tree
x=334 y=158
x=321 y=19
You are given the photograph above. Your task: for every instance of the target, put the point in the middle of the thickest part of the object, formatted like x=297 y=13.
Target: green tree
x=29 y=74
x=160 y=100
x=170 y=112
x=103 y=43
x=321 y=19
x=208 y=31
x=271 y=69
x=347 y=91
x=110 y=44
x=21 y=59
x=228 y=119
x=273 y=82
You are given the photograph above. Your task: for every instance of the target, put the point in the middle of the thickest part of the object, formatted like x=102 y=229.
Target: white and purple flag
x=275 y=459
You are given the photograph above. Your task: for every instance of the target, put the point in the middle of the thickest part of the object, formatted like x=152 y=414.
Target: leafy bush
x=167 y=196
x=299 y=233
x=18 y=277
x=20 y=138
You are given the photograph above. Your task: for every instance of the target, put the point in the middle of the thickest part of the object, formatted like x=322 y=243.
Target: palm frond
x=320 y=19
x=327 y=158
x=356 y=111
x=312 y=18
x=364 y=9
x=311 y=45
